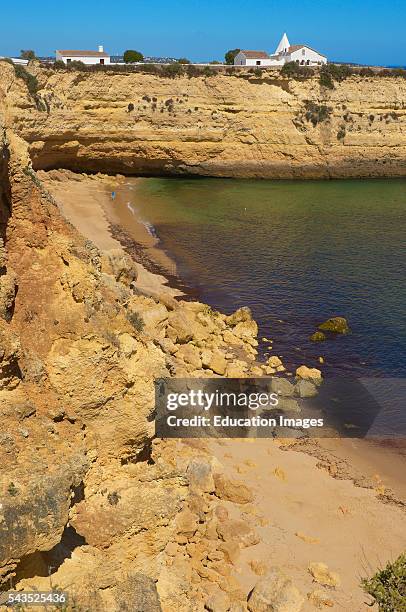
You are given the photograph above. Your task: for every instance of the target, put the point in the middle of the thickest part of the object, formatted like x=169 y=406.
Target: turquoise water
x=296 y=253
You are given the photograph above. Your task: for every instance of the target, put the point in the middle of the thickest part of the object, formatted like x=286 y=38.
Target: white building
x=87 y=57
x=284 y=53
x=252 y=58
x=16 y=60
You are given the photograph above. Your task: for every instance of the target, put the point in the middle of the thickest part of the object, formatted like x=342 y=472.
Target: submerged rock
x=338 y=325
x=318 y=336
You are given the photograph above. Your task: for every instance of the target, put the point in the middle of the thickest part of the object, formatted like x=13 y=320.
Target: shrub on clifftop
x=388 y=586
x=173 y=70
x=333 y=72
x=294 y=70
x=30 y=80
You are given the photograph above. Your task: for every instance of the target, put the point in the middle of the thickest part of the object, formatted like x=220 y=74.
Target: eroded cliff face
x=89 y=500
x=216 y=126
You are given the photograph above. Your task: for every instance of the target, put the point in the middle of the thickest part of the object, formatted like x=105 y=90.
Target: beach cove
x=125 y=215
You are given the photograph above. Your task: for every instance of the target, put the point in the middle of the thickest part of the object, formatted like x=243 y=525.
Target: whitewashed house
x=284 y=53
x=87 y=57
x=252 y=58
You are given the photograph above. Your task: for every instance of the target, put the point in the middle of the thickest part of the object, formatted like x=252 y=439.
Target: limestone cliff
x=88 y=499
x=237 y=126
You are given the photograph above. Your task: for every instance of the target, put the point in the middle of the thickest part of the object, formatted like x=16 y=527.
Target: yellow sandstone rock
x=323 y=575
x=306 y=373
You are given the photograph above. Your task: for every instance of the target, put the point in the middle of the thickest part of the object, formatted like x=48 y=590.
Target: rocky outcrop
x=238 y=126
x=337 y=325
x=88 y=497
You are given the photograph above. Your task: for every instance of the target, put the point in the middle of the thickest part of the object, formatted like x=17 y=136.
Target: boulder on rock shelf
x=338 y=325
x=218 y=601
x=275 y=592
x=256 y=371
x=274 y=361
x=241 y=531
x=247 y=331
x=305 y=388
x=190 y=355
x=185 y=327
x=230 y=338
x=199 y=473
x=123 y=267
x=186 y=522
x=218 y=362
x=239 y=316
x=281 y=386
x=138 y=593
x=232 y=490
x=237 y=369
x=306 y=373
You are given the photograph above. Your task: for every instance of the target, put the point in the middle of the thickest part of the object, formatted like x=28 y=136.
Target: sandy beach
x=89 y=206
x=311 y=500
x=305 y=516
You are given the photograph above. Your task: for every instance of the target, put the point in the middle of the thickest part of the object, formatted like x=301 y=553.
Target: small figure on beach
x=113 y=195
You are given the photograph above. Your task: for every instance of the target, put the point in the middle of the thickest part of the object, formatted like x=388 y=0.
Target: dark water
x=296 y=253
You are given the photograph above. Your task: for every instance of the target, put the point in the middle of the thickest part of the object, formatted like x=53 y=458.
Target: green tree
x=27 y=54
x=131 y=56
x=230 y=55
x=183 y=60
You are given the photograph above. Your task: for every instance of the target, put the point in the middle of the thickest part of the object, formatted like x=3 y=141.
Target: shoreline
x=100 y=218
x=87 y=207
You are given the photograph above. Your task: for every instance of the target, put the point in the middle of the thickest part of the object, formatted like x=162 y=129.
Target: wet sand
x=86 y=202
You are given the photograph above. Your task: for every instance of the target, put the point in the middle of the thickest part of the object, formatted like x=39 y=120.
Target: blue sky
x=345 y=30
